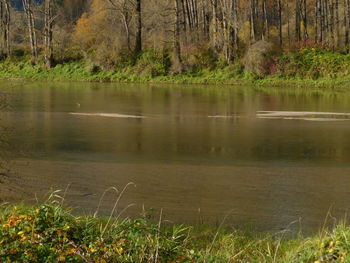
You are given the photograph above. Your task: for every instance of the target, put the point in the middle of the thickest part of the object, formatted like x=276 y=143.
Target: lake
x=271 y=158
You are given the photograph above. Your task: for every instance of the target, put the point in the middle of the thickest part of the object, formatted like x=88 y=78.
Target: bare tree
x=177 y=61
x=27 y=5
x=253 y=20
x=48 y=33
x=126 y=12
x=303 y=7
x=265 y=31
x=297 y=20
x=347 y=24
x=138 y=41
x=214 y=22
x=5 y=20
x=280 y=36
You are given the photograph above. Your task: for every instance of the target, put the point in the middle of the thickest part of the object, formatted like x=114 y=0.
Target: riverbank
x=300 y=68
x=76 y=72
x=50 y=233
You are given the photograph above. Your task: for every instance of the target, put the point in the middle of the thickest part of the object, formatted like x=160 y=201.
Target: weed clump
x=49 y=233
x=153 y=63
x=314 y=63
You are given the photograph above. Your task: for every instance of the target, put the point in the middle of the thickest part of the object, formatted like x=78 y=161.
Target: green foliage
x=125 y=59
x=18 y=53
x=152 y=63
x=203 y=58
x=314 y=63
x=300 y=67
x=48 y=233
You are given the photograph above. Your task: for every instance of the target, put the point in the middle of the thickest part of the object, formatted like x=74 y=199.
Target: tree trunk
x=138 y=42
x=306 y=33
x=31 y=28
x=319 y=21
x=188 y=14
x=337 y=24
x=195 y=11
x=280 y=36
x=347 y=24
x=297 y=21
x=214 y=24
x=5 y=28
x=126 y=21
x=206 y=21
x=48 y=34
x=265 y=31
x=227 y=43
x=331 y=23
x=288 y=23
x=177 y=62
x=234 y=26
x=252 y=21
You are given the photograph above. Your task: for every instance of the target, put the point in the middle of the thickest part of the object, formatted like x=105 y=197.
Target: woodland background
x=174 y=36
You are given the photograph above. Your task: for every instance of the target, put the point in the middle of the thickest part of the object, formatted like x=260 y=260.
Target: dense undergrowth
x=304 y=66
x=48 y=232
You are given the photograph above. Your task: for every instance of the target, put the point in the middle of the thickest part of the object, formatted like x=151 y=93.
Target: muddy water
x=262 y=157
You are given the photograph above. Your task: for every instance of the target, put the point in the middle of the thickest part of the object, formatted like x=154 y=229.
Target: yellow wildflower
x=93 y=250
x=120 y=250
x=61 y=259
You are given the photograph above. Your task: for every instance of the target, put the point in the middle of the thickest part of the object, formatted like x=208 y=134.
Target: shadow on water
x=4 y=168
x=11 y=185
x=4 y=153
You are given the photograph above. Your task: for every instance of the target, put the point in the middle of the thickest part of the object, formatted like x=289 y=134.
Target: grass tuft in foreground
x=49 y=233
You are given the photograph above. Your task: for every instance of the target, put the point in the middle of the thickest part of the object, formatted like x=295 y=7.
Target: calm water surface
x=262 y=157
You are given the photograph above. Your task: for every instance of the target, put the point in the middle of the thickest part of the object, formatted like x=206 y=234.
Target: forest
x=171 y=37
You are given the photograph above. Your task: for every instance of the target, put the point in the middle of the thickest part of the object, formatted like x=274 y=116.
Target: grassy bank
x=304 y=67
x=50 y=233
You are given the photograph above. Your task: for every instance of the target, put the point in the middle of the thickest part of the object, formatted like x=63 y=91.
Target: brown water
x=262 y=157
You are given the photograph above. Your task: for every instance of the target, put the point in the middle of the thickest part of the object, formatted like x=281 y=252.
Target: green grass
x=48 y=232
x=307 y=67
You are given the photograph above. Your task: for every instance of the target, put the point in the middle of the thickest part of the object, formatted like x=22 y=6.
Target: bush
x=203 y=58
x=18 y=53
x=125 y=59
x=152 y=63
x=92 y=68
x=314 y=63
x=260 y=59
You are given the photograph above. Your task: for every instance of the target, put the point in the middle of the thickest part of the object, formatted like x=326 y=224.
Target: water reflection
x=189 y=149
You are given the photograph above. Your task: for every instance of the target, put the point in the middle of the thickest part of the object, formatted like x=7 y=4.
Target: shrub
x=314 y=63
x=18 y=53
x=202 y=58
x=125 y=59
x=153 y=63
x=260 y=58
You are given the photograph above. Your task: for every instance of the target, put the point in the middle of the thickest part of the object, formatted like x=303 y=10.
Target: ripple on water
x=304 y=115
x=109 y=115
